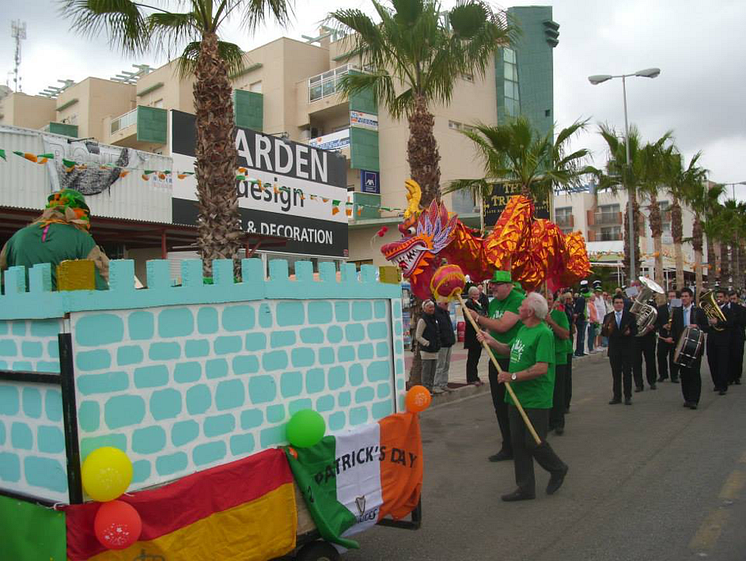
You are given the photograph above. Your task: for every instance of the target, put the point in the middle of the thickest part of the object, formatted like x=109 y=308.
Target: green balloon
x=305 y=428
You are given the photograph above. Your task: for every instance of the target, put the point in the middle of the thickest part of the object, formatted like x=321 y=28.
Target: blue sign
x=369 y=182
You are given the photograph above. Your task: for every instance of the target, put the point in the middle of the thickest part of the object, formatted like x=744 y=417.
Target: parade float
x=197 y=421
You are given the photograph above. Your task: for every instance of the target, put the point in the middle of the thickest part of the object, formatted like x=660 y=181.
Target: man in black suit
x=644 y=347
x=718 y=344
x=666 y=342
x=689 y=314
x=735 y=360
x=620 y=326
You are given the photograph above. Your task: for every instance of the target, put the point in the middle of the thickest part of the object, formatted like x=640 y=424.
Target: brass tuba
x=645 y=314
x=708 y=303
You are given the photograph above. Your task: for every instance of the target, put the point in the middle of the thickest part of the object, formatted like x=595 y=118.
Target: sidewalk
x=457 y=374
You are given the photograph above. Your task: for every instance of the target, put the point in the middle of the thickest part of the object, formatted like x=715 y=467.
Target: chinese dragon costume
x=534 y=250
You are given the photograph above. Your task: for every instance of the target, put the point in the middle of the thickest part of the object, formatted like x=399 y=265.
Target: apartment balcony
x=604 y=218
x=565 y=221
x=140 y=128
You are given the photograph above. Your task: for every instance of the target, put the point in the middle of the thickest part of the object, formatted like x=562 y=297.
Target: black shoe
x=722 y=392
x=674 y=380
x=652 y=387
x=559 y=431
x=737 y=382
x=517 y=496
x=628 y=401
x=692 y=406
x=687 y=404
x=637 y=390
x=662 y=379
x=501 y=456
x=615 y=401
x=556 y=481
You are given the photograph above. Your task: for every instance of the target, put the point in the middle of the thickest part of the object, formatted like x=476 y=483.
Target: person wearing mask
x=447 y=340
x=427 y=336
x=735 y=360
x=560 y=326
x=719 y=338
x=620 y=327
x=503 y=323
x=689 y=314
x=666 y=342
x=473 y=347
x=531 y=376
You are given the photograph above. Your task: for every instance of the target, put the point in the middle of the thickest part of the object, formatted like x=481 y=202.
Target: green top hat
x=501 y=276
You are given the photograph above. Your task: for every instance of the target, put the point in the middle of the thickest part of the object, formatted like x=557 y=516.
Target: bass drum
x=690 y=345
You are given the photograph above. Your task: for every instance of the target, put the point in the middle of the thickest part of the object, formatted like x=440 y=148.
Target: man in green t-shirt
x=531 y=375
x=503 y=323
x=559 y=323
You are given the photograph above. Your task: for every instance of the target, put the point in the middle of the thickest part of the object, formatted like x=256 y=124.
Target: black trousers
x=665 y=361
x=644 y=347
x=525 y=449
x=498 y=401
x=717 y=359
x=557 y=414
x=735 y=360
x=568 y=382
x=621 y=368
x=472 y=362
x=691 y=382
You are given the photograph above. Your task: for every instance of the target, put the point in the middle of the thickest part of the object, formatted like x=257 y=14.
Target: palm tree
x=704 y=203
x=516 y=152
x=652 y=165
x=620 y=175
x=678 y=180
x=415 y=56
x=137 y=27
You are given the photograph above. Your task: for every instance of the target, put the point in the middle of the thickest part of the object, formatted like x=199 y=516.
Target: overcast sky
x=700 y=94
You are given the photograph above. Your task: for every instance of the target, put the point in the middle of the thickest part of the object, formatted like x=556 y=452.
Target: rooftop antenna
x=18 y=32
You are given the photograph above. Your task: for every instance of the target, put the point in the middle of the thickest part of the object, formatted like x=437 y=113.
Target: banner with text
x=498 y=200
x=274 y=198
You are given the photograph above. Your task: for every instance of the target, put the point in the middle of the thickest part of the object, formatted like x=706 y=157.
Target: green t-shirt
x=562 y=347
x=532 y=345
x=498 y=308
x=62 y=242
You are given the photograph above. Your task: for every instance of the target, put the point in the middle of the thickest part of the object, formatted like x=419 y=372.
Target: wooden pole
x=497 y=365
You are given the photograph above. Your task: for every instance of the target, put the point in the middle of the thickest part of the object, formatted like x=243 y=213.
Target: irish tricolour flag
x=353 y=479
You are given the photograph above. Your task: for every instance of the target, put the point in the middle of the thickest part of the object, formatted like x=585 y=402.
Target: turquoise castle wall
x=185 y=378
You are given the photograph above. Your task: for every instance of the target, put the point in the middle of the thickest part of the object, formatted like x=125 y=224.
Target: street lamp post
x=733 y=185
x=597 y=79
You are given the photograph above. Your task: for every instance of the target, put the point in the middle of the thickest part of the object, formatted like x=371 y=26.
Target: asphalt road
x=651 y=481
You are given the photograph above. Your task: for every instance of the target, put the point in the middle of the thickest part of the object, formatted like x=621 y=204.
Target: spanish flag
x=355 y=478
x=243 y=510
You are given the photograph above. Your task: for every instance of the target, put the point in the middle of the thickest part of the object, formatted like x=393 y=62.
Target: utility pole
x=18 y=32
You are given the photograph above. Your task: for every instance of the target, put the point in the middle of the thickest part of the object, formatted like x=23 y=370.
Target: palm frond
x=123 y=21
x=254 y=13
x=171 y=31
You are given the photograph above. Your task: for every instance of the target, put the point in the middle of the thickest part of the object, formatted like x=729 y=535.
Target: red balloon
x=117 y=525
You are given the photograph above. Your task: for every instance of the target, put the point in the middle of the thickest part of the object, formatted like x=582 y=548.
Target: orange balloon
x=418 y=399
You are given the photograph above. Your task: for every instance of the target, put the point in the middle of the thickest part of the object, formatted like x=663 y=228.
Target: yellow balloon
x=106 y=474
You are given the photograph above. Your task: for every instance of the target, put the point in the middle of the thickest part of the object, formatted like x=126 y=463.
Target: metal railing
x=328 y=83
x=608 y=218
x=124 y=121
x=565 y=221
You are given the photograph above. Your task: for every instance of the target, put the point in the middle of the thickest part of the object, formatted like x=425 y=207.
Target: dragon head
x=425 y=233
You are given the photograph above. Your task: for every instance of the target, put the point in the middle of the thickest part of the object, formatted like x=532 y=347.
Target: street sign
x=369 y=182
x=498 y=200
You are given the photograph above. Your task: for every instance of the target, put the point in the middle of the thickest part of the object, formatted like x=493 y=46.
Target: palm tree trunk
x=219 y=221
x=631 y=275
x=656 y=228
x=697 y=244
x=422 y=151
x=424 y=168
x=677 y=232
x=712 y=263
x=724 y=263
